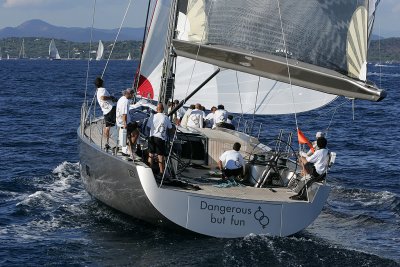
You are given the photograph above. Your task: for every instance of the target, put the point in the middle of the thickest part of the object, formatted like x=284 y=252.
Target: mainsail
x=100 y=51
x=316 y=44
x=325 y=49
x=53 y=52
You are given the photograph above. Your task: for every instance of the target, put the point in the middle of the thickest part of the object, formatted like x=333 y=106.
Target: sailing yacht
x=22 y=54
x=100 y=50
x=129 y=56
x=53 y=51
x=275 y=57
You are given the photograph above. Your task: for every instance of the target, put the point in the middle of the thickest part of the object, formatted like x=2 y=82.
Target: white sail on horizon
x=100 y=51
x=53 y=52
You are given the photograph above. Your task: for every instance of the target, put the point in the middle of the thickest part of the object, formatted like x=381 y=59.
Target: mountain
x=40 y=28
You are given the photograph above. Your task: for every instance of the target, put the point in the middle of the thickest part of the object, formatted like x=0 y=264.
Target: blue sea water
x=47 y=218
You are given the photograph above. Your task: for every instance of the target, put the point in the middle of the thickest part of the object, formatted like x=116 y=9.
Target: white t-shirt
x=220 y=115
x=195 y=119
x=122 y=108
x=320 y=160
x=185 y=117
x=209 y=120
x=158 y=124
x=232 y=159
x=105 y=105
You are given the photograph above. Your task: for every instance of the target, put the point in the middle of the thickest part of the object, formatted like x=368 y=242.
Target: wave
x=300 y=250
x=380 y=74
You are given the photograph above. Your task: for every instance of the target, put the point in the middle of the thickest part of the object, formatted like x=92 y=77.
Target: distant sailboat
x=53 y=52
x=22 y=50
x=100 y=50
x=129 y=57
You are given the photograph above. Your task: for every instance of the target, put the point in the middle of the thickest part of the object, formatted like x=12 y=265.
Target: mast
x=167 y=79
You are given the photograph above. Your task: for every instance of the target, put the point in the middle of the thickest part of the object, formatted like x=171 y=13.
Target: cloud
x=24 y=3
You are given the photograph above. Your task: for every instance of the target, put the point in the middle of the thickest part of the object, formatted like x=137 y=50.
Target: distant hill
x=384 y=50
x=40 y=28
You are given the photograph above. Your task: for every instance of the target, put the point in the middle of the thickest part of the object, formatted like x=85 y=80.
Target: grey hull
x=115 y=182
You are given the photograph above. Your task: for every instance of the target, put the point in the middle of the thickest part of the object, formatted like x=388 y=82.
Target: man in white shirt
x=185 y=117
x=196 y=117
x=220 y=116
x=317 y=163
x=158 y=124
x=123 y=117
x=231 y=162
x=179 y=113
x=209 y=120
x=107 y=105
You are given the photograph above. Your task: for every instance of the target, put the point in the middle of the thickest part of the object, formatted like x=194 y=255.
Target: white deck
x=210 y=186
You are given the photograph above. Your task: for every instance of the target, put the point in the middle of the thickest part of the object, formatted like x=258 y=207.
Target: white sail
x=129 y=56
x=22 y=50
x=53 y=52
x=100 y=51
x=238 y=91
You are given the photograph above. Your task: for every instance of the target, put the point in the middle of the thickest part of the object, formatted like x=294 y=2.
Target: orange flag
x=303 y=140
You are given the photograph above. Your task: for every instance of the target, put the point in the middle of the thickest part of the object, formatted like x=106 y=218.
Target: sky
x=109 y=14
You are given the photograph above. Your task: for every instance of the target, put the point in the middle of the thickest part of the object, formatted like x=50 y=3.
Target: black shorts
x=157 y=146
x=310 y=169
x=234 y=172
x=109 y=118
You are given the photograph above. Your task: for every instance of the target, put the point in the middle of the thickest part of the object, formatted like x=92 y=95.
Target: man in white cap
x=314 y=144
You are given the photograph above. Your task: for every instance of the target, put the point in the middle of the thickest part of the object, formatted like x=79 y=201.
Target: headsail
x=53 y=52
x=325 y=44
x=100 y=50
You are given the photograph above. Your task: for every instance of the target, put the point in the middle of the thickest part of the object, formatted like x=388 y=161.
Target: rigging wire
x=238 y=87
x=105 y=67
x=197 y=52
x=88 y=68
x=287 y=65
x=116 y=37
x=187 y=90
x=90 y=48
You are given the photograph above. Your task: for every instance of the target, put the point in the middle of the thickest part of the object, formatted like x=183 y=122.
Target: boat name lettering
x=222 y=209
